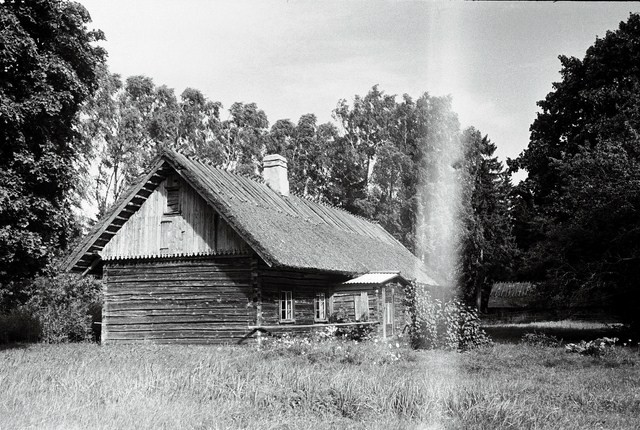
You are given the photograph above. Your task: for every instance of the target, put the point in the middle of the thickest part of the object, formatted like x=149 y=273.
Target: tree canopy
x=578 y=212
x=48 y=67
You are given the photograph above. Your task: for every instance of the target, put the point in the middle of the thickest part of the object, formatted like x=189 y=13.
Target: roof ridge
x=208 y=162
x=321 y=201
x=259 y=179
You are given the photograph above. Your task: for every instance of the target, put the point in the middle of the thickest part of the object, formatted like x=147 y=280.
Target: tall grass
x=335 y=385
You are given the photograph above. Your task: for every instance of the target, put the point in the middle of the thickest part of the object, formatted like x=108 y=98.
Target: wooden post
x=384 y=313
x=105 y=304
x=257 y=289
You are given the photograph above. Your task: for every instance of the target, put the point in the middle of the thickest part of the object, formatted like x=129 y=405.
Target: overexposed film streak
x=439 y=189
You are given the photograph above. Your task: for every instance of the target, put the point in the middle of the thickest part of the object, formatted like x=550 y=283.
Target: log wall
x=196 y=228
x=304 y=286
x=181 y=301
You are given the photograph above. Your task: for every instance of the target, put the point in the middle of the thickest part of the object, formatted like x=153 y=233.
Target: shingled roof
x=512 y=295
x=285 y=231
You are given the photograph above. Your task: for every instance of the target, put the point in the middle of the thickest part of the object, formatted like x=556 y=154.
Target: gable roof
x=285 y=231
x=512 y=289
x=512 y=295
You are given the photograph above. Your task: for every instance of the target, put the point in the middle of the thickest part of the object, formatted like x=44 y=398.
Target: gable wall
x=197 y=228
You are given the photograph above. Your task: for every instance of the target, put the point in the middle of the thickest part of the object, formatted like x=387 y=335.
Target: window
x=165 y=236
x=173 y=201
x=320 y=306
x=286 y=306
x=173 y=196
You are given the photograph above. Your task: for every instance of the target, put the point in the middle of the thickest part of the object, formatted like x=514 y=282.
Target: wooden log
x=298 y=326
x=163 y=305
x=181 y=327
x=213 y=318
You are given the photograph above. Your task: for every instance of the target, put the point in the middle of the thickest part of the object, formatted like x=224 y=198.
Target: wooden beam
x=97 y=235
x=266 y=329
x=92 y=266
x=285 y=326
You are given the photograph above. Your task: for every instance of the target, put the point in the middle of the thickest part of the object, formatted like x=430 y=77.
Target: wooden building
x=513 y=301
x=195 y=254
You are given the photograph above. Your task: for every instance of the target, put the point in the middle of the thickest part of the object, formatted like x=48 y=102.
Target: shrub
x=66 y=306
x=594 y=348
x=323 y=346
x=540 y=339
x=357 y=332
x=19 y=325
x=445 y=324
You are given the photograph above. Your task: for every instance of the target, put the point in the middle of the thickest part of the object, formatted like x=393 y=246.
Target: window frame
x=320 y=297
x=286 y=298
x=175 y=209
x=172 y=186
x=165 y=235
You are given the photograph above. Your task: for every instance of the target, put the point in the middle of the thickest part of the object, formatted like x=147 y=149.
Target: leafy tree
x=199 y=124
x=124 y=123
x=240 y=140
x=488 y=245
x=280 y=138
x=578 y=210
x=48 y=67
x=308 y=148
x=366 y=124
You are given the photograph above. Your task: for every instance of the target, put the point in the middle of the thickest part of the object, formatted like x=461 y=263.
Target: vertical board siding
x=186 y=301
x=195 y=229
x=345 y=296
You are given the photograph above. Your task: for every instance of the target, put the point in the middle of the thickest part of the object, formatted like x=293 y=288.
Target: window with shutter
x=173 y=196
x=165 y=236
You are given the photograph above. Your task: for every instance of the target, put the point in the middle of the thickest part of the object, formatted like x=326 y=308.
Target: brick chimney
x=274 y=172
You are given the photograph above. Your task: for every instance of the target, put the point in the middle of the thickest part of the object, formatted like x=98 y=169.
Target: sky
x=292 y=57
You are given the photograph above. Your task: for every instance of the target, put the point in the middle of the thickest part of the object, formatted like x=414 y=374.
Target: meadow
x=302 y=384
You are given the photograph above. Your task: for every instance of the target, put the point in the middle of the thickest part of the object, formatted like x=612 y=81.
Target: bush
x=540 y=339
x=357 y=332
x=66 y=306
x=19 y=325
x=444 y=324
x=594 y=348
x=323 y=346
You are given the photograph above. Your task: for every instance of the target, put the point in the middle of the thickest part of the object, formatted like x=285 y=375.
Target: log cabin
x=192 y=253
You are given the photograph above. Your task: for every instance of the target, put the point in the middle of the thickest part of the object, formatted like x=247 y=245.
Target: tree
x=124 y=124
x=199 y=124
x=240 y=140
x=579 y=209
x=48 y=67
x=366 y=125
x=488 y=245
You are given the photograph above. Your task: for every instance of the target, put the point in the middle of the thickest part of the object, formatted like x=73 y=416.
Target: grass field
x=316 y=386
